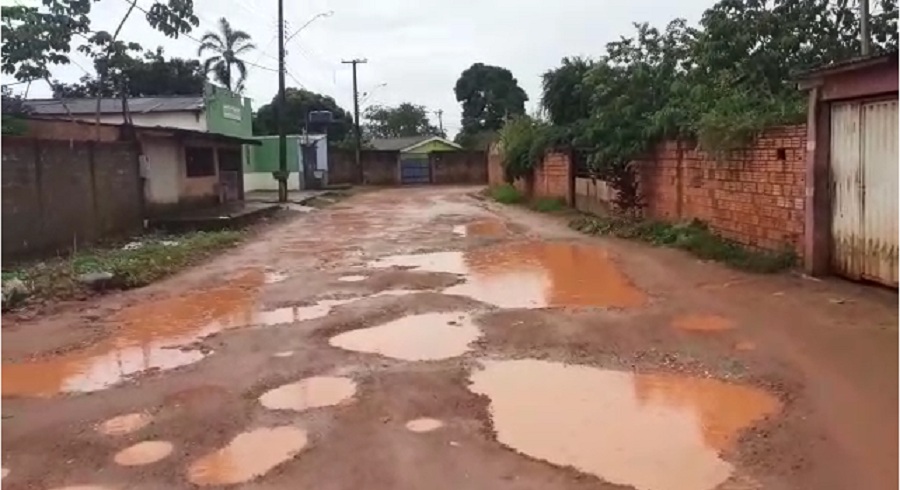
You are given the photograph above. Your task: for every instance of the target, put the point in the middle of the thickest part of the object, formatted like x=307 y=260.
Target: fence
x=57 y=194
x=383 y=167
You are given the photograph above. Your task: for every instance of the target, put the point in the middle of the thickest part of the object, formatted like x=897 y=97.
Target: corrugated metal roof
x=137 y=105
x=849 y=64
x=397 y=144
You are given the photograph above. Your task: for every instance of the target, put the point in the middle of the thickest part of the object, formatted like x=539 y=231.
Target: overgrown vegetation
x=694 y=237
x=719 y=83
x=506 y=194
x=548 y=205
x=137 y=263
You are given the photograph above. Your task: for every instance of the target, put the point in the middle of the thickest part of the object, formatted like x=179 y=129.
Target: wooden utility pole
x=864 y=27
x=356 y=129
x=282 y=174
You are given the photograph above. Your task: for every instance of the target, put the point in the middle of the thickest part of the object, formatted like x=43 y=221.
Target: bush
x=694 y=237
x=506 y=194
x=548 y=204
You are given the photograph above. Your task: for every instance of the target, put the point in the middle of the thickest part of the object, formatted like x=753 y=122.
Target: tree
x=393 y=122
x=489 y=95
x=227 y=45
x=151 y=76
x=566 y=95
x=299 y=103
x=36 y=38
x=14 y=110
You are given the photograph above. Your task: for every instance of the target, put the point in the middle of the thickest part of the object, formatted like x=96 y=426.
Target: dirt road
x=420 y=338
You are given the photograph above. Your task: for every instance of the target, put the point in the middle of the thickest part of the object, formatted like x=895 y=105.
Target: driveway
x=420 y=338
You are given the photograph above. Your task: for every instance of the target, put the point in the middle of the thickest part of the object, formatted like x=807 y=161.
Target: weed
x=547 y=204
x=694 y=237
x=506 y=194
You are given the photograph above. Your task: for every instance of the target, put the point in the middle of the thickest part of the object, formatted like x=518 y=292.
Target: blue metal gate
x=415 y=171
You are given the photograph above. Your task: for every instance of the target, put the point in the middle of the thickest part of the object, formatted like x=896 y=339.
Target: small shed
x=414 y=164
x=851 y=173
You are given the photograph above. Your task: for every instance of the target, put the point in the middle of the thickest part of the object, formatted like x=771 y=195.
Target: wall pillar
x=817 y=246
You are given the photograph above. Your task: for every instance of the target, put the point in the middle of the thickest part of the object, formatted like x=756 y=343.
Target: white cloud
x=417 y=47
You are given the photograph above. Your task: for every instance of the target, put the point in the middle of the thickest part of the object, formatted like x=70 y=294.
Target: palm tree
x=227 y=45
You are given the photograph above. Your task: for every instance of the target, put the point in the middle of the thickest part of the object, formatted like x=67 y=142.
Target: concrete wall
x=69 y=130
x=184 y=120
x=163 y=168
x=227 y=113
x=379 y=167
x=458 y=167
x=57 y=193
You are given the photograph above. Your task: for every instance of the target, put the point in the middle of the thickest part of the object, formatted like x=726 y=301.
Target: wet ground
x=421 y=338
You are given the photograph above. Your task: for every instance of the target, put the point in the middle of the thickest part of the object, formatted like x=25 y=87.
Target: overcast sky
x=416 y=48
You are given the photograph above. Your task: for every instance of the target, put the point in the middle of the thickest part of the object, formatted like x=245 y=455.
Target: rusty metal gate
x=864 y=161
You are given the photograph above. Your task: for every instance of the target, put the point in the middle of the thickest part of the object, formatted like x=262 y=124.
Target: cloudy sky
x=416 y=49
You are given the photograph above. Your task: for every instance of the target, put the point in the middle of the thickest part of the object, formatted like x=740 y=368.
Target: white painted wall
x=163 y=169
x=183 y=120
x=263 y=181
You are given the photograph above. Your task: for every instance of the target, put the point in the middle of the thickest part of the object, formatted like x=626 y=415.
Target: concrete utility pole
x=282 y=173
x=440 y=115
x=864 y=26
x=358 y=135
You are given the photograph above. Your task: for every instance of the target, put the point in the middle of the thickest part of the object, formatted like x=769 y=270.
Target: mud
x=579 y=335
x=426 y=337
x=654 y=432
x=315 y=392
x=248 y=456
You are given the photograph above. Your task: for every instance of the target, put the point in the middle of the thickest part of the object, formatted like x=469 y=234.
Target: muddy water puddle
x=424 y=337
x=154 y=336
x=314 y=392
x=424 y=425
x=653 y=432
x=485 y=228
x=702 y=323
x=125 y=424
x=247 y=456
x=142 y=453
x=544 y=274
x=449 y=262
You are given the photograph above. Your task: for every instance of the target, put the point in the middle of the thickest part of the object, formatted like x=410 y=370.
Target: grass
x=694 y=237
x=548 y=205
x=506 y=194
x=157 y=256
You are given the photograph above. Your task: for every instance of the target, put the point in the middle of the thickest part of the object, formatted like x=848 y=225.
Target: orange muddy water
x=425 y=337
x=125 y=424
x=248 y=456
x=142 y=453
x=314 y=392
x=654 y=432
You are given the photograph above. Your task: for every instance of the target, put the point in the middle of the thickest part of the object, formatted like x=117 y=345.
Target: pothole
x=352 y=278
x=702 y=323
x=125 y=424
x=449 y=262
x=247 y=456
x=146 y=452
x=653 y=432
x=314 y=392
x=425 y=337
x=424 y=425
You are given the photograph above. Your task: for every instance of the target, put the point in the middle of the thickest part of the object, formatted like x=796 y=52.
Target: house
x=181 y=169
x=307 y=162
x=414 y=150
x=193 y=148
x=851 y=169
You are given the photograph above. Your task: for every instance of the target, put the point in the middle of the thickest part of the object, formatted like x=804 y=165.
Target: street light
x=366 y=95
x=310 y=21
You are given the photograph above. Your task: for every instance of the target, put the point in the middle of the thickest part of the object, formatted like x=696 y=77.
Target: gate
x=415 y=170
x=864 y=154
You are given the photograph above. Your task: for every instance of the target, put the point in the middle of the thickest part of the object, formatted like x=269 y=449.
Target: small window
x=200 y=162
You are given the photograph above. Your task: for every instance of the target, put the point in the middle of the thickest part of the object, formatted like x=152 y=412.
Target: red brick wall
x=553 y=177
x=458 y=167
x=495 y=165
x=380 y=167
x=752 y=196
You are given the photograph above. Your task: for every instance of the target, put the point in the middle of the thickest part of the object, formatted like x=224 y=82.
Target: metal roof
x=850 y=64
x=397 y=144
x=137 y=105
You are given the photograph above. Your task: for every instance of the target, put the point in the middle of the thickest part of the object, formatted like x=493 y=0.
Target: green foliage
x=227 y=46
x=721 y=82
x=36 y=38
x=506 y=194
x=694 y=237
x=153 y=75
x=158 y=256
x=478 y=141
x=395 y=122
x=14 y=112
x=489 y=95
x=299 y=103
x=548 y=205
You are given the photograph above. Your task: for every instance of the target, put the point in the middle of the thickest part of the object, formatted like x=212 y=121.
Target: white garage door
x=864 y=161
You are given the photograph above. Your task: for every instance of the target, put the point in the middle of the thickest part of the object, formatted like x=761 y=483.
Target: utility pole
x=282 y=173
x=440 y=115
x=864 y=27
x=358 y=135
